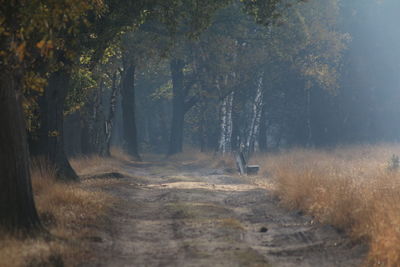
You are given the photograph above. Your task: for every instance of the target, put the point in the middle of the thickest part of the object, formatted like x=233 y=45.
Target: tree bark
x=128 y=110
x=178 y=107
x=90 y=124
x=86 y=146
x=98 y=129
x=17 y=207
x=262 y=137
x=73 y=134
x=229 y=120
x=255 y=119
x=51 y=132
x=225 y=141
x=109 y=124
x=222 y=116
x=309 y=129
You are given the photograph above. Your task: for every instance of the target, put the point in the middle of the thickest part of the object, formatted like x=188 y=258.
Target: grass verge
x=354 y=188
x=71 y=212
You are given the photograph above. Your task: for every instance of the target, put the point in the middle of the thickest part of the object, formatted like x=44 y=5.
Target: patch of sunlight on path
x=208 y=186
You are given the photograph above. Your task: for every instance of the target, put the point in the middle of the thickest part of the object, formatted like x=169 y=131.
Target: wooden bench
x=242 y=166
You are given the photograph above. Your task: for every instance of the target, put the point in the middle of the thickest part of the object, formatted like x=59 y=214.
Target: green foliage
x=33 y=34
x=163 y=92
x=32 y=29
x=307 y=40
x=188 y=17
x=268 y=12
x=83 y=83
x=222 y=47
x=295 y=46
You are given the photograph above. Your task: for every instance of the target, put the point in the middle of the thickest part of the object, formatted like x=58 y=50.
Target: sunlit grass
x=95 y=164
x=66 y=211
x=351 y=188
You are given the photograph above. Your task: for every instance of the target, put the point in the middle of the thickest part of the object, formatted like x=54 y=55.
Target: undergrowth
x=354 y=188
x=68 y=211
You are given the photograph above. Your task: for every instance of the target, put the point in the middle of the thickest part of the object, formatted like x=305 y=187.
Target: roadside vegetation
x=70 y=212
x=356 y=189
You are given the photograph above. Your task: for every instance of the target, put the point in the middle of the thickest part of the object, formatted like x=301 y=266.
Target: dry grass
x=120 y=154
x=68 y=211
x=351 y=188
x=88 y=165
x=231 y=223
x=94 y=164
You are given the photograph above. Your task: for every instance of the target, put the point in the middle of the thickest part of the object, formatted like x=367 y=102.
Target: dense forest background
x=220 y=76
x=104 y=105
x=323 y=74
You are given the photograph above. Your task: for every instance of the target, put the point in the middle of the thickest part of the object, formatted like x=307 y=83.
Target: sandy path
x=197 y=219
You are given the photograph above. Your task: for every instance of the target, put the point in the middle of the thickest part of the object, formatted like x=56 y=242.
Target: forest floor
x=178 y=214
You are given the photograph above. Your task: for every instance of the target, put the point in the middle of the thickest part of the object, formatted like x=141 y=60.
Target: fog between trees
x=323 y=74
x=159 y=76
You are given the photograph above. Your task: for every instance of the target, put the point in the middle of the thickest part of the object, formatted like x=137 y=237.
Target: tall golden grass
x=95 y=164
x=67 y=211
x=352 y=188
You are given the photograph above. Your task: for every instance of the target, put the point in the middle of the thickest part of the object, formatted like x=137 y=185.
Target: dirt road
x=192 y=217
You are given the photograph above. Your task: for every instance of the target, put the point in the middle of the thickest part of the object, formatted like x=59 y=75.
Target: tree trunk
x=73 y=134
x=178 y=107
x=98 y=133
x=225 y=141
x=109 y=125
x=262 y=137
x=117 y=138
x=309 y=129
x=229 y=122
x=128 y=110
x=222 y=116
x=17 y=207
x=51 y=132
x=202 y=125
x=164 y=126
x=255 y=120
x=86 y=146
x=90 y=124
x=237 y=125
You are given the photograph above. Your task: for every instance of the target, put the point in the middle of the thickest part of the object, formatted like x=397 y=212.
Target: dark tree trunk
x=51 y=133
x=98 y=133
x=88 y=124
x=86 y=145
x=109 y=125
x=117 y=138
x=128 y=109
x=178 y=107
x=164 y=126
x=17 y=208
x=73 y=134
x=202 y=128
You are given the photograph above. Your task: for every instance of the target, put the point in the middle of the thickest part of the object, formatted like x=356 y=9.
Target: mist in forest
x=324 y=74
x=370 y=70
x=117 y=98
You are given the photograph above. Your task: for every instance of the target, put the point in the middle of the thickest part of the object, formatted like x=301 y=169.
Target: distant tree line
x=313 y=78
x=155 y=75
x=73 y=60
x=237 y=84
